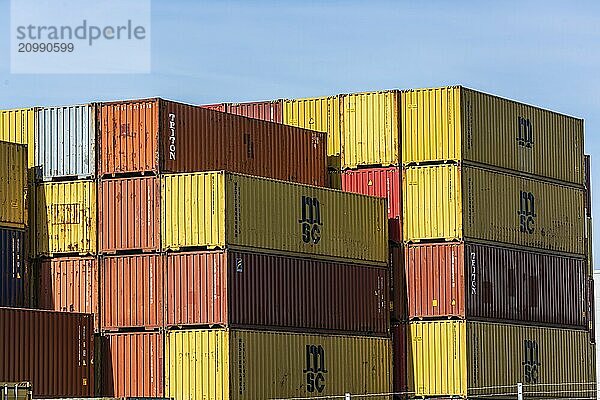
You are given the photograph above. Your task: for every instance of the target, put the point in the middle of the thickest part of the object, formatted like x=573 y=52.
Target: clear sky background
x=543 y=52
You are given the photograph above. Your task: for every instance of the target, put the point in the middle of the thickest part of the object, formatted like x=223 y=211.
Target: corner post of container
x=519 y=391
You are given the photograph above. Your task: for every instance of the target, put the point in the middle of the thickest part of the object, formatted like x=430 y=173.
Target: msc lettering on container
x=310 y=222
x=315 y=368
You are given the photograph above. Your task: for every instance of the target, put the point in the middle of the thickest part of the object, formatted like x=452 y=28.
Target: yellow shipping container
x=17 y=126
x=219 y=209
x=458 y=358
x=221 y=364
x=456 y=123
x=370 y=129
x=455 y=203
x=66 y=218
x=318 y=114
x=13 y=185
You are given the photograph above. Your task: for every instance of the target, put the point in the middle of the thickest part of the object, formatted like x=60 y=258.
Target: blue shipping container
x=14 y=276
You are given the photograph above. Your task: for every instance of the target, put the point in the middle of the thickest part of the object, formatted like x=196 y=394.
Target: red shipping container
x=397 y=283
x=271 y=111
x=132 y=364
x=399 y=349
x=51 y=350
x=379 y=182
x=157 y=136
x=252 y=290
x=494 y=283
x=222 y=107
x=69 y=284
x=129 y=214
x=132 y=291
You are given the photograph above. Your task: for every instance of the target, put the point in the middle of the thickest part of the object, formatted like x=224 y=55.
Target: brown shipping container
x=222 y=107
x=51 y=350
x=156 y=135
x=252 y=290
x=132 y=364
x=399 y=369
x=271 y=111
x=132 y=291
x=484 y=282
x=129 y=214
x=398 y=304
x=69 y=284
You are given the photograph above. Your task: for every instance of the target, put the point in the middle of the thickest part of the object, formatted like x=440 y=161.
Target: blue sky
x=541 y=52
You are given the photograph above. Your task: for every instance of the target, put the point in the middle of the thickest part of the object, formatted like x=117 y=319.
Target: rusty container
x=265 y=110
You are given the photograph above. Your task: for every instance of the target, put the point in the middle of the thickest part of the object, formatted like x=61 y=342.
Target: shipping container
x=335 y=179
x=152 y=136
x=588 y=185
x=320 y=114
x=129 y=214
x=14 y=273
x=254 y=290
x=230 y=364
x=18 y=126
x=453 y=203
x=132 y=291
x=68 y=284
x=271 y=111
x=457 y=358
x=51 y=350
x=222 y=107
x=460 y=124
x=379 y=182
x=398 y=289
x=15 y=391
x=370 y=129
x=589 y=238
x=219 y=209
x=484 y=282
x=399 y=367
x=66 y=218
x=591 y=307
x=13 y=185
x=132 y=364
x=65 y=142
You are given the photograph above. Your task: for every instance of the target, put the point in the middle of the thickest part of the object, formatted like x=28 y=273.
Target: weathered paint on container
x=257 y=290
x=14 y=272
x=52 y=350
x=13 y=185
x=379 y=182
x=457 y=358
x=483 y=282
x=68 y=284
x=237 y=364
x=454 y=203
x=129 y=214
x=18 y=126
x=271 y=111
x=219 y=209
x=398 y=289
x=65 y=142
x=399 y=367
x=152 y=136
x=132 y=291
x=456 y=123
x=66 y=218
x=132 y=364
x=588 y=185
x=370 y=129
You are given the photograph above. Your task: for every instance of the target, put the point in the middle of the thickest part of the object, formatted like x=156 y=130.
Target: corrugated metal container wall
x=370 y=129
x=54 y=351
x=483 y=359
x=526 y=212
x=398 y=290
x=589 y=253
x=454 y=123
x=222 y=107
x=132 y=291
x=66 y=218
x=271 y=111
x=335 y=180
x=129 y=214
x=18 y=126
x=222 y=365
x=14 y=274
x=69 y=284
x=320 y=114
x=379 y=182
x=13 y=185
x=399 y=348
x=251 y=290
x=65 y=142
x=217 y=209
x=495 y=283
x=588 y=185
x=591 y=307
x=132 y=364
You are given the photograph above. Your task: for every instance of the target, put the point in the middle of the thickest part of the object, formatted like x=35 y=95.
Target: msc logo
x=171 y=136
x=311 y=220
x=531 y=364
x=315 y=368
x=525 y=137
x=527 y=212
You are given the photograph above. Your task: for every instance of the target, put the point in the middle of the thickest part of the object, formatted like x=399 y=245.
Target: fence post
x=347 y=397
x=519 y=391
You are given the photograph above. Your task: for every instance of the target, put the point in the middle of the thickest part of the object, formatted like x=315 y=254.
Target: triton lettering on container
x=256 y=290
x=18 y=126
x=460 y=124
x=449 y=202
x=14 y=274
x=271 y=111
x=483 y=282
x=66 y=218
x=51 y=350
x=379 y=182
x=399 y=348
x=13 y=185
x=65 y=142
x=218 y=209
x=237 y=364
x=158 y=136
x=457 y=358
